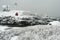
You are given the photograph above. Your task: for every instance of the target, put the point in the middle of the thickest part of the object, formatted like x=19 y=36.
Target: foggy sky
x=41 y=7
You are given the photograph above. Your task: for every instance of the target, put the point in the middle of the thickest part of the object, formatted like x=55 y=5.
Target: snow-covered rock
x=56 y=23
x=14 y=38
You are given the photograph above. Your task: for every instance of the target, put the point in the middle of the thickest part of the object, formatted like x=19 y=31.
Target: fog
x=41 y=7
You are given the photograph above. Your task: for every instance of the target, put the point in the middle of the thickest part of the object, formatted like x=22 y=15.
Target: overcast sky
x=41 y=7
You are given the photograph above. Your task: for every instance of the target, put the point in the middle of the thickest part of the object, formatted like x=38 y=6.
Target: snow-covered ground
x=2 y=28
x=37 y=32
